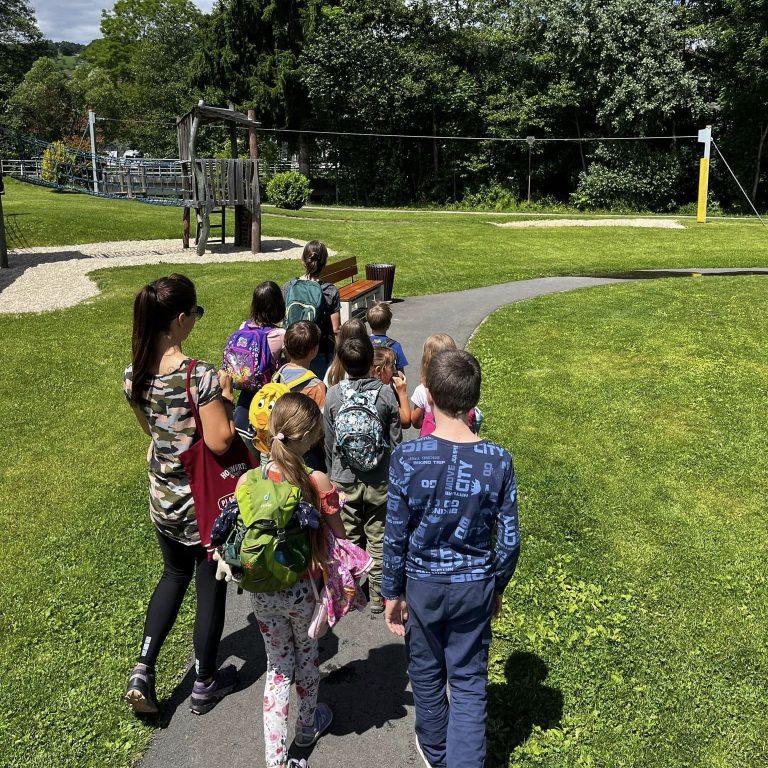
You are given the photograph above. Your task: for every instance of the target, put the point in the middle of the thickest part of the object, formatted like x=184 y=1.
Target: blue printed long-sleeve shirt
x=451 y=514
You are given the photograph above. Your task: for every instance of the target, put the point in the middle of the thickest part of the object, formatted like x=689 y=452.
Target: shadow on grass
x=516 y=706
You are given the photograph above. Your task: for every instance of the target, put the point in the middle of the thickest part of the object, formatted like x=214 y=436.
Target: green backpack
x=267 y=545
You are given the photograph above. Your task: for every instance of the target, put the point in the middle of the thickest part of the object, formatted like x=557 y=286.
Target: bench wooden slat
x=353 y=290
x=340 y=270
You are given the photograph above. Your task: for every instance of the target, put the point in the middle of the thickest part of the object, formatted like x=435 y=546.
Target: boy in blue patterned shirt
x=450 y=547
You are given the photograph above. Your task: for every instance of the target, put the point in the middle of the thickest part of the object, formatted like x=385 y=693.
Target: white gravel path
x=646 y=223
x=56 y=277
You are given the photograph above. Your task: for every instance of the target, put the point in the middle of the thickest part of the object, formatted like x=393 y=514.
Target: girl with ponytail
x=155 y=384
x=314 y=258
x=284 y=617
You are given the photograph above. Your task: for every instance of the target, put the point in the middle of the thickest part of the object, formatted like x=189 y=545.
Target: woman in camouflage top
x=164 y=314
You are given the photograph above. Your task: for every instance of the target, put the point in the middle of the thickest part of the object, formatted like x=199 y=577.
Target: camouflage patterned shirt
x=173 y=431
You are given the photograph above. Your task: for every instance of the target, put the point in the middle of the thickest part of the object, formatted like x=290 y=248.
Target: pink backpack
x=475 y=420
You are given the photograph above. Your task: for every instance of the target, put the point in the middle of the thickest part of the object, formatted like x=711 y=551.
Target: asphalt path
x=363 y=666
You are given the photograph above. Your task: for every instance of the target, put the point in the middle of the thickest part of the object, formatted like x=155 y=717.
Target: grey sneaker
x=306 y=737
x=140 y=693
x=205 y=697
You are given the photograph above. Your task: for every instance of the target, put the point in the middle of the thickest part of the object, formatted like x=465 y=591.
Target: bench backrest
x=340 y=270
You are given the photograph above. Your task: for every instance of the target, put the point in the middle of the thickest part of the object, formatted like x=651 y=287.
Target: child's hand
x=225 y=380
x=400 y=384
x=395 y=615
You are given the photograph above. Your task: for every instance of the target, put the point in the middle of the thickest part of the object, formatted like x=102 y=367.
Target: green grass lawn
x=636 y=626
x=434 y=252
x=634 y=632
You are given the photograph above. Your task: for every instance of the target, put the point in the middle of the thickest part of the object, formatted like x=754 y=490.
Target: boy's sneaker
x=421 y=753
x=377 y=606
x=306 y=737
x=294 y=763
x=140 y=693
x=205 y=697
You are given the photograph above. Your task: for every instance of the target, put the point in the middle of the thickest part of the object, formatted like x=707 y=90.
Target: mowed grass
x=434 y=252
x=635 y=630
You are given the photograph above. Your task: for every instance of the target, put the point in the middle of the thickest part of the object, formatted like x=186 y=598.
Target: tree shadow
x=519 y=704
x=367 y=693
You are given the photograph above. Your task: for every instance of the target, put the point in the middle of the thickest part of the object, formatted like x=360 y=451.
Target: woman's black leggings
x=179 y=564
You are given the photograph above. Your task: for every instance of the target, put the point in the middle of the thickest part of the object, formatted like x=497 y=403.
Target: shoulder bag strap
x=192 y=404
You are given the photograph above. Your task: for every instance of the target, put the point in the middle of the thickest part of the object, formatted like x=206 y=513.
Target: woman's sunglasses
x=197 y=311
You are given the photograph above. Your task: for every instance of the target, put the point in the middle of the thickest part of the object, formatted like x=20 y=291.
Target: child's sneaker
x=205 y=697
x=140 y=693
x=377 y=606
x=294 y=763
x=306 y=737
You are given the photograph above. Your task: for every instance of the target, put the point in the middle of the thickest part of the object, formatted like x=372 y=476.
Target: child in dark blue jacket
x=451 y=545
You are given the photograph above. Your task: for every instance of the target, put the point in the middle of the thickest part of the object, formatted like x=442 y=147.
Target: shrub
x=634 y=178
x=493 y=197
x=289 y=190
x=56 y=160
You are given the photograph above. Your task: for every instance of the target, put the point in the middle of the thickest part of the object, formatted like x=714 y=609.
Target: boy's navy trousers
x=448 y=636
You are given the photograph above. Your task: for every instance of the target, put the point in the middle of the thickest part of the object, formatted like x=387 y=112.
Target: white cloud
x=78 y=20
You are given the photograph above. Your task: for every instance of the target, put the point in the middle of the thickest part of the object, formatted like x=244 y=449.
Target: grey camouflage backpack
x=358 y=430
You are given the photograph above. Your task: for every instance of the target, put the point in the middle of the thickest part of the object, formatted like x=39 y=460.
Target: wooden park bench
x=359 y=294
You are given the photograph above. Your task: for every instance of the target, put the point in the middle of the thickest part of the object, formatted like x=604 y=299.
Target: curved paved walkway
x=363 y=666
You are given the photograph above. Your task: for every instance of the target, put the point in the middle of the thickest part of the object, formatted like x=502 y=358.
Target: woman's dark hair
x=315 y=257
x=154 y=309
x=268 y=304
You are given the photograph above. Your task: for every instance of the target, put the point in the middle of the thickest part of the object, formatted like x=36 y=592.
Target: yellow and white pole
x=705 y=138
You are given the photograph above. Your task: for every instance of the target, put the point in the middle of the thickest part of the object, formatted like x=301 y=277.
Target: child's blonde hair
x=294 y=418
x=437 y=342
x=352 y=329
x=383 y=356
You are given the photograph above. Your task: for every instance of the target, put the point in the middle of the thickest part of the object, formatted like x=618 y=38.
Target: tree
x=42 y=105
x=251 y=56
x=21 y=42
x=146 y=52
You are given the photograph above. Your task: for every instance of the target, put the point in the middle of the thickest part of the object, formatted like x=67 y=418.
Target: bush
x=633 y=178
x=56 y=161
x=491 y=197
x=289 y=190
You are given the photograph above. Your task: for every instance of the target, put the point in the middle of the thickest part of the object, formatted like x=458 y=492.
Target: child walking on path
x=444 y=576
x=421 y=409
x=379 y=318
x=362 y=426
x=284 y=616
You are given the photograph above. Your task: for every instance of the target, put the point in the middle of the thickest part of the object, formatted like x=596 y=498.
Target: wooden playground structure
x=209 y=184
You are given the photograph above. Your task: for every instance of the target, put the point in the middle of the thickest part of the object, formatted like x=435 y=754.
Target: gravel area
x=56 y=277
x=641 y=223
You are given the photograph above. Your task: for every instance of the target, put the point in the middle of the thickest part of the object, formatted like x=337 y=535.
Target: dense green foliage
x=634 y=632
x=289 y=190
x=541 y=68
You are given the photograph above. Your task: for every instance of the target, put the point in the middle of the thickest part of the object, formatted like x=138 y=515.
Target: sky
x=78 y=20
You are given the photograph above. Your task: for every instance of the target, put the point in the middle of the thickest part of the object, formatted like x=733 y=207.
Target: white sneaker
x=421 y=753
x=294 y=763
x=306 y=737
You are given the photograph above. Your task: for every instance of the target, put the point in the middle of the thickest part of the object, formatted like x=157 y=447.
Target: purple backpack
x=248 y=358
